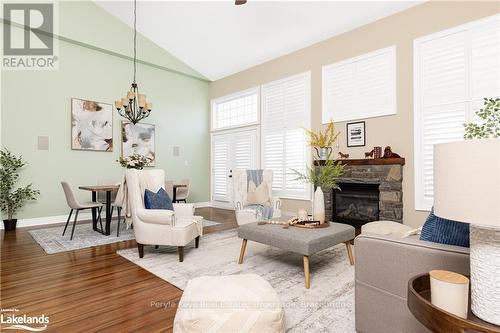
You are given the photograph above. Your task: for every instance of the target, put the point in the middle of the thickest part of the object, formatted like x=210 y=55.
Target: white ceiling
x=218 y=39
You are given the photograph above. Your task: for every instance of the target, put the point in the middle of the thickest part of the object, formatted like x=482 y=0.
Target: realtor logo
x=28 y=42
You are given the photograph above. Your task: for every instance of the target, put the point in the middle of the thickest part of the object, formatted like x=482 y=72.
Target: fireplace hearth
x=364 y=181
x=356 y=204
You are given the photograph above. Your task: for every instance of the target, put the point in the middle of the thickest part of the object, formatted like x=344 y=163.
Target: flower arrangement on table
x=135 y=161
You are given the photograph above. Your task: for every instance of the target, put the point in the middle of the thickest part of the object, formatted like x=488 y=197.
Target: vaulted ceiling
x=218 y=39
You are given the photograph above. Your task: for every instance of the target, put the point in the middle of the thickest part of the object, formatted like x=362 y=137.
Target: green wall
x=37 y=103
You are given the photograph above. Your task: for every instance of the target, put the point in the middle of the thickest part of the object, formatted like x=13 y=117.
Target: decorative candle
x=149 y=106
x=130 y=95
x=118 y=104
x=450 y=292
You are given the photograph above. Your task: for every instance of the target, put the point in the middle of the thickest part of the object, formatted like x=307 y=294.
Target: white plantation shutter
x=360 y=87
x=285 y=109
x=244 y=150
x=454 y=70
x=220 y=167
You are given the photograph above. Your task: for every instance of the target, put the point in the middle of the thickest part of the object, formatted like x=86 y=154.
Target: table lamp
x=467 y=189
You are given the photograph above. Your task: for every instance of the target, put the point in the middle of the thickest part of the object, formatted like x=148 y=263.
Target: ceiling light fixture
x=134 y=106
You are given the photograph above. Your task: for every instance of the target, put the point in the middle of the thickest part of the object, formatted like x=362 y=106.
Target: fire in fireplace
x=356 y=204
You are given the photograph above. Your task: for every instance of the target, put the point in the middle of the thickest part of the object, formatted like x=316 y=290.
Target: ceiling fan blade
x=240 y=2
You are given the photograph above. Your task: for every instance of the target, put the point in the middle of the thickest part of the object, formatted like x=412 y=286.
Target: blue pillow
x=443 y=231
x=158 y=200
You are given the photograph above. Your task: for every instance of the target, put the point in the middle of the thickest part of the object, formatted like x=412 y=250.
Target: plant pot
x=10 y=225
x=323 y=152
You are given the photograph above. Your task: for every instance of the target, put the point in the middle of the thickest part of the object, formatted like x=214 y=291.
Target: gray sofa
x=384 y=264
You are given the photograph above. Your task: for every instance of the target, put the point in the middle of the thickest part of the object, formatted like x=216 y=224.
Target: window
x=285 y=109
x=360 y=87
x=236 y=110
x=454 y=70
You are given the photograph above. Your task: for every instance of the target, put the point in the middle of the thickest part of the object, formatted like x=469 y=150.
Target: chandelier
x=134 y=106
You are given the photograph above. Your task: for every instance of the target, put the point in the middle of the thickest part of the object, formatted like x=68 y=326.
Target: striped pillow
x=443 y=231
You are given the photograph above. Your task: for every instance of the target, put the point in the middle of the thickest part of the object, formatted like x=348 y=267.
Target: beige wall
x=400 y=30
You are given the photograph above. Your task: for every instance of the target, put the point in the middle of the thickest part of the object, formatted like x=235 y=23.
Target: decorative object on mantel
x=343 y=156
x=356 y=134
x=12 y=200
x=377 y=152
x=369 y=154
x=490 y=124
x=134 y=106
x=389 y=154
x=322 y=141
x=476 y=204
x=134 y=161
x=139 y=139
x=91 y=125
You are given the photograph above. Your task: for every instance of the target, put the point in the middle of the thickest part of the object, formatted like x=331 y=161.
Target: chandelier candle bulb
x=130 y=95
x=118 y=104
x=149 y=106
x=125 y=102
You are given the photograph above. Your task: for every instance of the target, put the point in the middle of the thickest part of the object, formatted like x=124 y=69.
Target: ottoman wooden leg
x=349 y=252
x=242 y=252
x=306 y=270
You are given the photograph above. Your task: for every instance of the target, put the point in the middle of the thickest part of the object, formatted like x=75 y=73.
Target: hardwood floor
x=89 y=290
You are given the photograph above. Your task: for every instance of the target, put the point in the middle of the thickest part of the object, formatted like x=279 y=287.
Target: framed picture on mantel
x=356 y=135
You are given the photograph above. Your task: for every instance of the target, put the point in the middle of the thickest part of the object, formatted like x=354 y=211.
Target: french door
x=231 y=150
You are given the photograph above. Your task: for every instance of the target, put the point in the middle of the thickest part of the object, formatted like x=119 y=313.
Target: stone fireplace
x=371 y=189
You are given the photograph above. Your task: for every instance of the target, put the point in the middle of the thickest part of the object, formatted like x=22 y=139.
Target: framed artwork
x=138 y=139
x=91 y=125
x=356 y=135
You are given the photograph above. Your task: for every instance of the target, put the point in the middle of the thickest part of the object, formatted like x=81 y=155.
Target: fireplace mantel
x=369 y=161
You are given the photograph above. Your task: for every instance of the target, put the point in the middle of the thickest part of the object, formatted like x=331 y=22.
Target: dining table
x=110 y=189
x=101 y=188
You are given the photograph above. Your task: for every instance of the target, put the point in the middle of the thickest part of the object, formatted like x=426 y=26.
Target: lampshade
x=467 y=181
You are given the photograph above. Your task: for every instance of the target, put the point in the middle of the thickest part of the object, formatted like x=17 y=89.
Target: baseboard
x=202 y=204
x=22 y=223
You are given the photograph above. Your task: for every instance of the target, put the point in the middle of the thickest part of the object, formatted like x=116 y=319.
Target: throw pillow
x=158 y=200
x=258 y=195
x=443 y=231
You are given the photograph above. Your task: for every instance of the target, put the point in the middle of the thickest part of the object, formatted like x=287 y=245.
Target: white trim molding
x=34 y=221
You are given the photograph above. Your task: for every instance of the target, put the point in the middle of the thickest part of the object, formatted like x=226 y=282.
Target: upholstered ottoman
x=232 y=303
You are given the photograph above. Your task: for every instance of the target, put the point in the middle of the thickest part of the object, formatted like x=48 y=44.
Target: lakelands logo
x=28 y=42
x=10 y=320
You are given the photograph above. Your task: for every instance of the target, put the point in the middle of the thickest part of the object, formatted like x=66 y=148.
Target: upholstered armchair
x=159 y=226
x=245 y=213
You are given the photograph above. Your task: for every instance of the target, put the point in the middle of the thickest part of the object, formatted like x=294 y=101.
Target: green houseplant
x=11 y=200
x=489 y=126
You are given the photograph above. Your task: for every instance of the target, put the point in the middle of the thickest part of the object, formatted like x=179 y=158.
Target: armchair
x=159 y=226
x=245 y=214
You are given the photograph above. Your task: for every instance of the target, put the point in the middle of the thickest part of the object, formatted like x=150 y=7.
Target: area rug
x=328 y=306
x=52 y=240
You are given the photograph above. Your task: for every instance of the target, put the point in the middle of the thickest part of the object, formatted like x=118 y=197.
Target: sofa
x=384 y=264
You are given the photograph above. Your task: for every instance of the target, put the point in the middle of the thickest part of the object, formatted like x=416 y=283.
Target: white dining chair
x=169 y=187
x=74 y=204
x=182 y=193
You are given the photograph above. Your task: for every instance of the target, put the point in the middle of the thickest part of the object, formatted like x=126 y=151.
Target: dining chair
x=101 y=197
x=169 y=187
x=183 y=192
x=74 y=204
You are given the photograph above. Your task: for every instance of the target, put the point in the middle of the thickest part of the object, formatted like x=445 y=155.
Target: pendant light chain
x=134 y=106
x=135 y=37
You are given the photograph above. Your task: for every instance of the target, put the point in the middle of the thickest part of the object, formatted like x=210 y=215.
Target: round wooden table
x=436 y=319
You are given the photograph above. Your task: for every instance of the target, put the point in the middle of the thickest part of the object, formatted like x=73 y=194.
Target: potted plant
x=135 y=161
x=12 y=200
x=490 y=124
x=323 y=140
x=324 y=174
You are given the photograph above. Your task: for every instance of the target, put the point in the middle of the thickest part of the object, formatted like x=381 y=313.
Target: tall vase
x=319 y=205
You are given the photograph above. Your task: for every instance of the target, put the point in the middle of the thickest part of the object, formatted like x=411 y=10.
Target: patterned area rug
x=328 y=306
x=52 y=240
